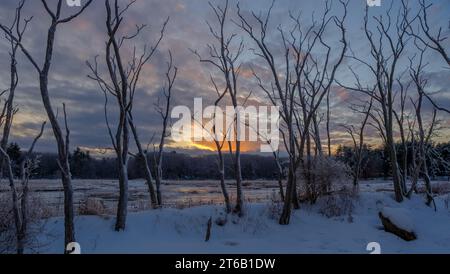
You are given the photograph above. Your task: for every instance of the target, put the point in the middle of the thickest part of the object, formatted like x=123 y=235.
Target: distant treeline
x=183 y=166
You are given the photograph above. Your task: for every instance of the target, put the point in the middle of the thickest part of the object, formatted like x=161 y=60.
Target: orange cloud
x=246 y=146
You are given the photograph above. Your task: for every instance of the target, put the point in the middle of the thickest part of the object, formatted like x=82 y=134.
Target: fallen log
x=390 y=226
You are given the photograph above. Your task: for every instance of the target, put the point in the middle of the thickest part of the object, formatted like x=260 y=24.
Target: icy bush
x=340 y=203
x=37 y=213
x=274 y=206
x=7 y=235
x=92 y=206
x=321 y=176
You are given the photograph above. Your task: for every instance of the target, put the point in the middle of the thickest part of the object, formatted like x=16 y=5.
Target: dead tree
x=219 y=138
x=278 y=162
x=400 y=117
x=164 y=112
x=43 y=72
x=278 y=95
x=416 y=166
x=424 y=135
x=357 y=135
x=19 y=30
x=136 y=68
x=315 y=132
x=224 y=56
x=300 y=81
x=386 y=47
x=20 y=196
x=120 y=83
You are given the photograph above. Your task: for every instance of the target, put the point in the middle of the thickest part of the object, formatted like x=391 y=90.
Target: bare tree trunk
x=415 y=167
x=143 y=158
x=289 y=198
x=158 y=185
x=122 y=205
x=171 y=76
x=280 y=180
x=396 y=176
x=69 y=227
x=223 y=186
x=317 y=141
x=428 y=188
x=328 y=124
x=309 y=180
x=239 y=208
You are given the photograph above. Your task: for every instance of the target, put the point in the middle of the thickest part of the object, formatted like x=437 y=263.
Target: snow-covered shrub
x=7 y=234
x=274 y=206
x=322 y=176
x=340 y=203
x=37 y=213
x=92 y=206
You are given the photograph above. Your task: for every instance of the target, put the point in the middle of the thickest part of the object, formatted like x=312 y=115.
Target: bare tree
x=357 y=135
x=43 y=71
x=384 y=71
x=164 y=112
x=415 y=167
x=424 y=135
x=300 y=82
x=136 y=67
x=224 y=56
x=219 y=138
x=400 y=117
x=120 y=83
x=8 y=113
x=20 y=196
x=278 y=162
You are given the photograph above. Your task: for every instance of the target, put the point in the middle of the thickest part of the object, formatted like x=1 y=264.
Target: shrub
x=322 y=176
x=338 y=204
x=7 y=229
x=92 y=206
x=37 y=213
x=274 y=206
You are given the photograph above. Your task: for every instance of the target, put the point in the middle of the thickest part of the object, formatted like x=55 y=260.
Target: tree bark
x=122 y=206
x=223 y=185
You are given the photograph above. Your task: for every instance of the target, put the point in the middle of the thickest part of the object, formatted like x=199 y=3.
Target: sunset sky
x=84 y=38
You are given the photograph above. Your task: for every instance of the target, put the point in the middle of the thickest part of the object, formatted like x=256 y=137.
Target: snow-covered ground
x=171 y=230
